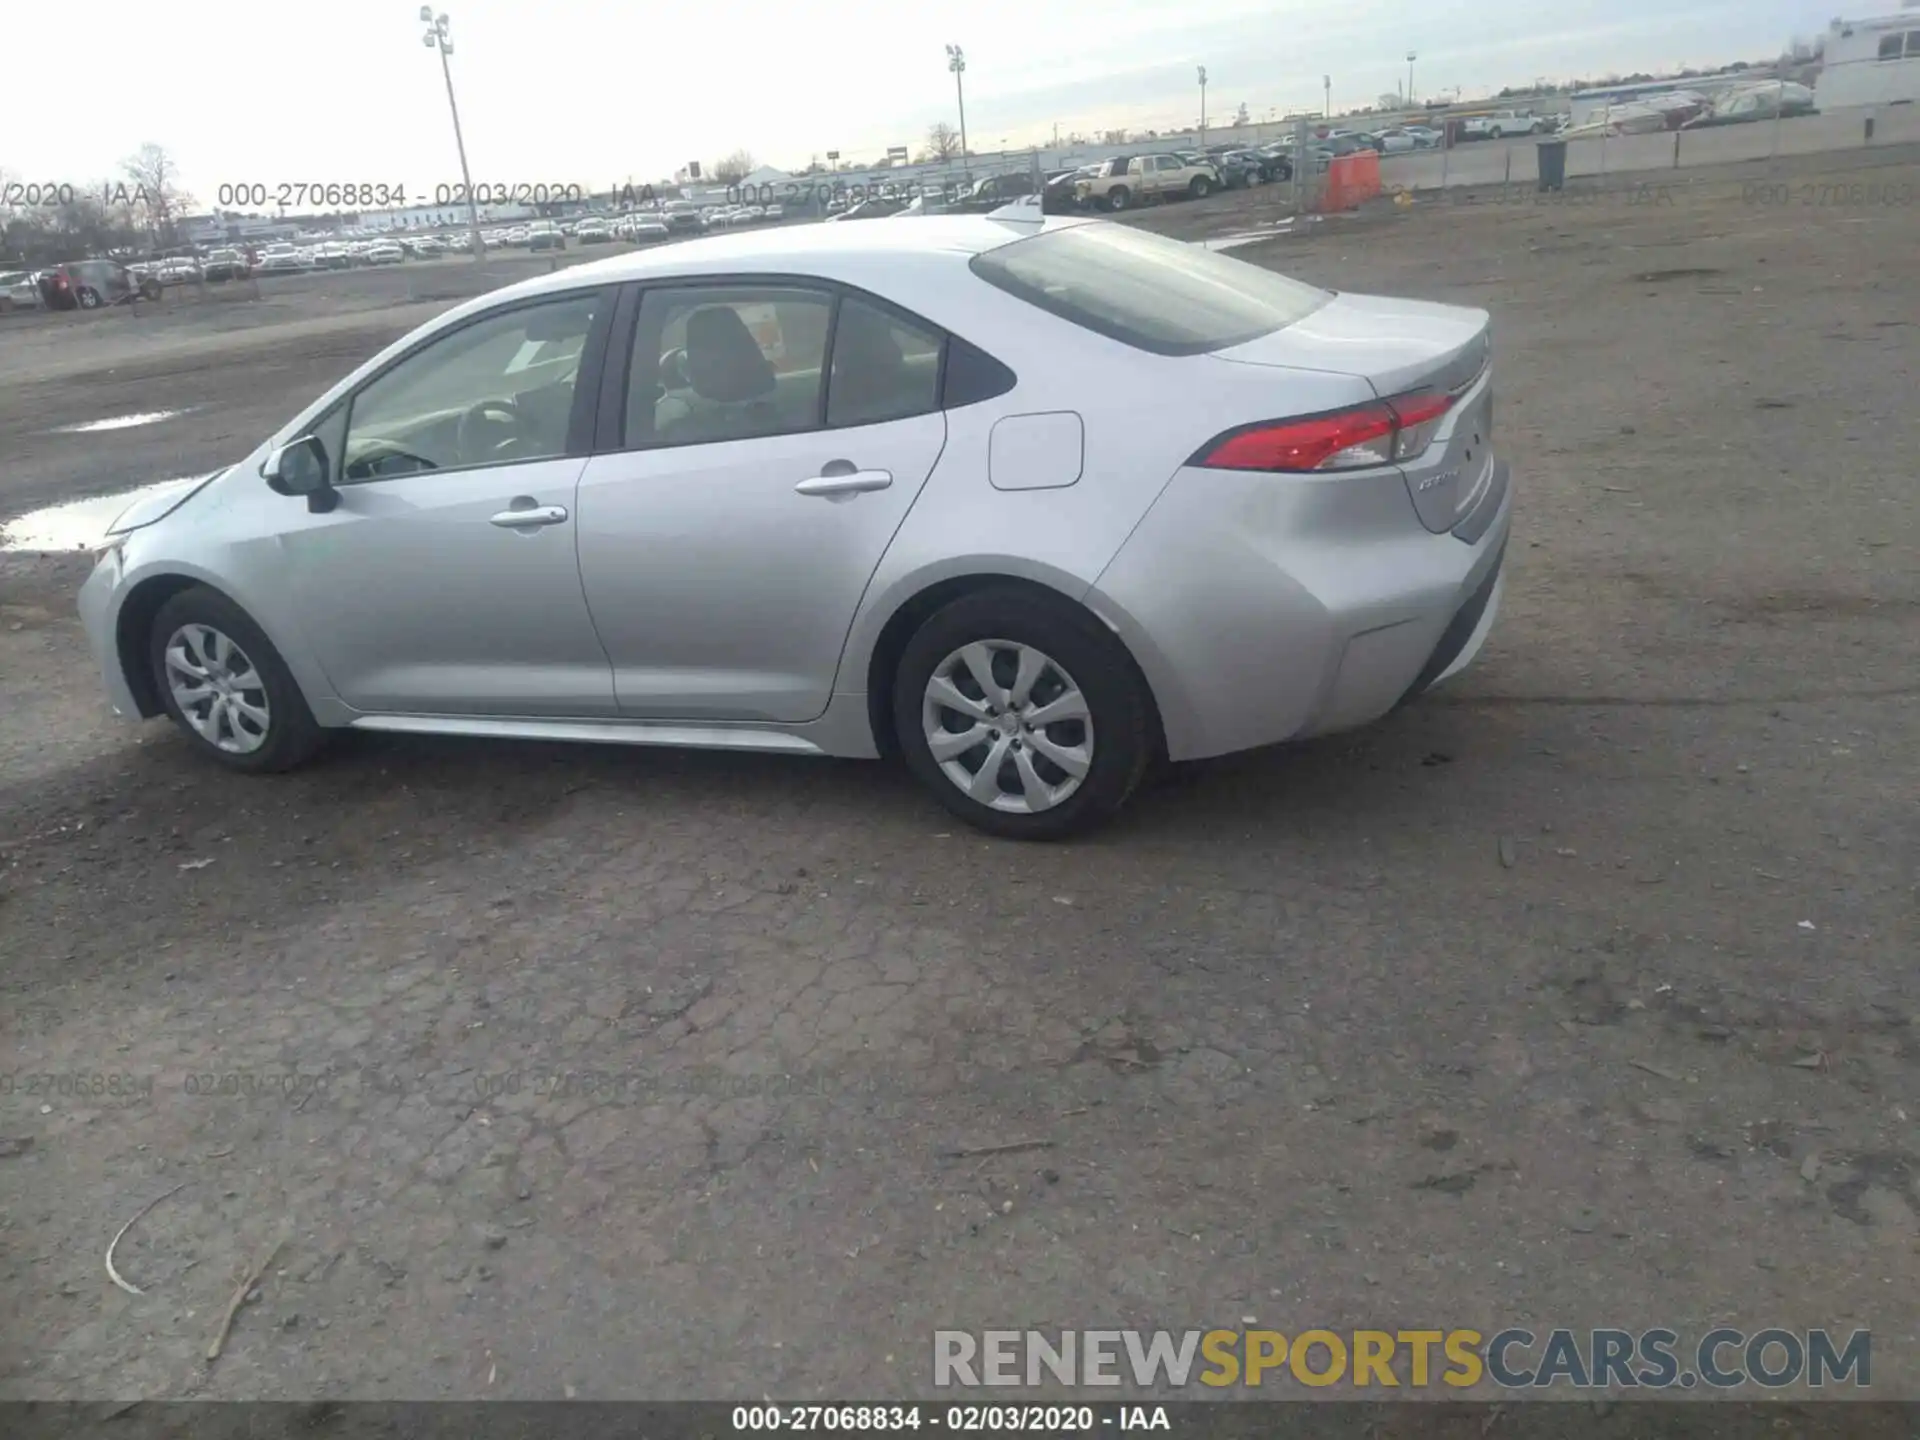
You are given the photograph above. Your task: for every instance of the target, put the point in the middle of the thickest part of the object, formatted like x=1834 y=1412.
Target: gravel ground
x=1580 y=994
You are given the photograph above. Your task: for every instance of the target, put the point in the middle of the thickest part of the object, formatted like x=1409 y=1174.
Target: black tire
x=1118 y=197
x=1122 y=711
x=292 y=736
x=89 y=298
x=1200 y=187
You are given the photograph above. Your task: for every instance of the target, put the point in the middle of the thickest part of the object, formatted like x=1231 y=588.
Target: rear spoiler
x=1027 y=210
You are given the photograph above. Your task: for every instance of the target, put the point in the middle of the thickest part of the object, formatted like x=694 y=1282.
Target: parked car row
x=286 y=258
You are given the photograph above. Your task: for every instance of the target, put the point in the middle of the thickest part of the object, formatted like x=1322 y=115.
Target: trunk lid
x=1399 y=346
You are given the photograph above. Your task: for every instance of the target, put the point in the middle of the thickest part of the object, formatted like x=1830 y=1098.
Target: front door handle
x=840 y=478
x=530 y=516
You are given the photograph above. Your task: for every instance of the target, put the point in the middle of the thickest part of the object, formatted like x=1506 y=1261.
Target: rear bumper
x=1266 y=608
x=1460 y=642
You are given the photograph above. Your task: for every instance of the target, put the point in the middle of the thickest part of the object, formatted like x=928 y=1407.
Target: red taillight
x=1298 y=445
x=1369 y=435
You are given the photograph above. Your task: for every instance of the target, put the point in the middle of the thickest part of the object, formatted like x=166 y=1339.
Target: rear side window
x=1147 y=291
x=971 y=376
x=883 y=367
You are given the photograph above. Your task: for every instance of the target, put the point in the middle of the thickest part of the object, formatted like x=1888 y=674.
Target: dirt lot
x=1579 y=995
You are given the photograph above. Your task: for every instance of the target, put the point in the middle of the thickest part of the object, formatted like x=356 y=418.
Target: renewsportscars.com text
x=1602 y=1358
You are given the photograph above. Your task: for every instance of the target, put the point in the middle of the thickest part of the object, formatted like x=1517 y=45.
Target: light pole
x=957 y=63
x=1326 y=86
x=1203 y=107
x=1411 y=57
x=436 y=38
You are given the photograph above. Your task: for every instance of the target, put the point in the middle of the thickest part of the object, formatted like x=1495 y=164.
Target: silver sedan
x=1032 y=503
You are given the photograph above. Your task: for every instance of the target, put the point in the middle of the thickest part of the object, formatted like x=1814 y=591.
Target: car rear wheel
x=1199 y=188
x=226 y=687
x=1118 y=197
x=89 y=298
x=1023 y=715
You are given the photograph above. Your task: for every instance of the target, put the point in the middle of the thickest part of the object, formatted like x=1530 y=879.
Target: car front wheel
x=1023 y=715
x=1118 y=197
x=1199 y=188
x=226 y=687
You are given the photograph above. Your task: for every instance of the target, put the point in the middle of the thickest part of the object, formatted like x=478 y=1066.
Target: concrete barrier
x=1493 y=162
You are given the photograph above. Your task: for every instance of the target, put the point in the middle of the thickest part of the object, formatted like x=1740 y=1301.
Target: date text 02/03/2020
x=385 y=195
x=961 y=1419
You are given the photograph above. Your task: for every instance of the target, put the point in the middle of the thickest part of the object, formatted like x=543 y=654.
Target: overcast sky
x=596 y=91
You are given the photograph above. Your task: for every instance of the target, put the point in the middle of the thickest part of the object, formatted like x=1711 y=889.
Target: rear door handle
x=531 y=516
x=835 y=481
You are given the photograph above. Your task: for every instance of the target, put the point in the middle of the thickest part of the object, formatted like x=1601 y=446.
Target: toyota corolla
x=1031 y=503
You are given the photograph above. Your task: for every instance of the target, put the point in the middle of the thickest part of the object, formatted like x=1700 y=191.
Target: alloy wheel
x=1008 y=726
x=217 y=689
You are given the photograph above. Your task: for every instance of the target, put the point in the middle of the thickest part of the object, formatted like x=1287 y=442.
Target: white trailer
x=1871 y=62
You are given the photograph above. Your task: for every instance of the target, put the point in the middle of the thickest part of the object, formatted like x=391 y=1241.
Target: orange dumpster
x=1352 y=180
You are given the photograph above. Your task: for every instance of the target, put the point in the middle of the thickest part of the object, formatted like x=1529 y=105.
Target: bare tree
x=152 y=190
x=1240 y=116
x=1113 y=137
x=731 y=169
x=943 y=141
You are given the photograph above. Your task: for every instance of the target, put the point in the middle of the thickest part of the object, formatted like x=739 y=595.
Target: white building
x=1871 y=62
x=234 y=229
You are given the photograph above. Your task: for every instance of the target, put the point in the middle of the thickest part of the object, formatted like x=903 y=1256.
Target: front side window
x=497 y=391
x=1890 y=47
x=1146 y=290
x=731 y=362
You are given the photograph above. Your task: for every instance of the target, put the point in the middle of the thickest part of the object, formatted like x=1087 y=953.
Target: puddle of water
x=78 y=524
x=117 y=422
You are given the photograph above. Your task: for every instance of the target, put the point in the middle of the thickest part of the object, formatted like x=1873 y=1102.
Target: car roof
x=803 y=248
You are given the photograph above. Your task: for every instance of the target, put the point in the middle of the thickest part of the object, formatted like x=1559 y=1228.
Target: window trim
x=610 y=433
x=593 y=352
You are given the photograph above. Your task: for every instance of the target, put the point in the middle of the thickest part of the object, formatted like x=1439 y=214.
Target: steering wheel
x=673 y=370
x=470 y=438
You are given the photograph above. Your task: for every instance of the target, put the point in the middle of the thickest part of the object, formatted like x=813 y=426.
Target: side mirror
x=301 y=468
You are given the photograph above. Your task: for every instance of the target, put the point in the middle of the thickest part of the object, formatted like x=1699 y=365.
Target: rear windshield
x=1147 y=291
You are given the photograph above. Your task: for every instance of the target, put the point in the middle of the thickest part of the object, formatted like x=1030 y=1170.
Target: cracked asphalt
x=1581 y=993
